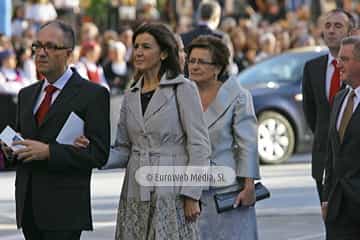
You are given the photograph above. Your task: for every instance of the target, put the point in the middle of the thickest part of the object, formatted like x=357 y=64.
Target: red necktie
x=94 y=76
x=45 y=104
x=335 y=82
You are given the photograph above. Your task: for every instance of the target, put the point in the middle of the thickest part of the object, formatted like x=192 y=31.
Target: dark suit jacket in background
x=61 y=185
x=343 y=166
x=317 y=111
x=198 y=31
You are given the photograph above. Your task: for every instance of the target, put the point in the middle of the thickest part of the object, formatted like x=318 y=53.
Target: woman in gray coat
x=161 y=124
x=230 y=118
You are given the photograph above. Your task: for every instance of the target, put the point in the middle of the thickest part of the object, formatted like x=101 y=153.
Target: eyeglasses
x=48 y=47
x=199 y=61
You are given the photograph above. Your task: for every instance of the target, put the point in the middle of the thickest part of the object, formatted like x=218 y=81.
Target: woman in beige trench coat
x=161 y=124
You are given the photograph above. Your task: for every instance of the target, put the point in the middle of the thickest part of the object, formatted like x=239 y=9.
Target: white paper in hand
x=73 y=128
x=8 y=136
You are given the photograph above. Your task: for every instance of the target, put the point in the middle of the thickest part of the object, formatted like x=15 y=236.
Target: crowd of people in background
x=190 y=129
x=255 y=30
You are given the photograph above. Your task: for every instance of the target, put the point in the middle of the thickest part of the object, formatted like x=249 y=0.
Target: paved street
x=292 y=213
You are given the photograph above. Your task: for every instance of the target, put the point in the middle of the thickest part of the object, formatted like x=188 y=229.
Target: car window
x=285 y=67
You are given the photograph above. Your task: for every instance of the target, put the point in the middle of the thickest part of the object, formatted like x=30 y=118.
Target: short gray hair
x=353 y=40
x=68 y=32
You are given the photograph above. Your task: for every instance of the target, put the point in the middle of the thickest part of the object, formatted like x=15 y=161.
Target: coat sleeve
x=309 y=105
x=244 y=128
x=120 y=151
x=197 y=136
x=97 y=129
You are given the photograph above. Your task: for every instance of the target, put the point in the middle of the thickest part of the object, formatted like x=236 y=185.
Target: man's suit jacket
x=317 y=110
x=342 y=183
x=61 y=185
x=198 y=31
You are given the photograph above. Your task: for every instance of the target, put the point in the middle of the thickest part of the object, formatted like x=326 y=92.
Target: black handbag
x=225 y=201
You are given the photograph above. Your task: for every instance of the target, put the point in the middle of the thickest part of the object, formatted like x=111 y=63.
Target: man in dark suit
x=209 y=14
x=209 y=19
x=341 y=196
x=320 y=83
x=208 y=22
x=53 y=179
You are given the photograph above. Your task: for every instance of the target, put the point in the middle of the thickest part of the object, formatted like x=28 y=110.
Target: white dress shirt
x=59 y=84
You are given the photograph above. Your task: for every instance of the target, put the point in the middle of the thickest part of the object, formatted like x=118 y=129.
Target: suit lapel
x=353 y=120
x=29 y=106
x=225 y=96
x=322 y=79
x=335 y=114
x=71 y=88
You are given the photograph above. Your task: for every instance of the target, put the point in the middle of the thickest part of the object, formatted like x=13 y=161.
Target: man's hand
x=81 y=142
x=34 y=150
x=6 y=150
x=324 y=209
x=192 y=209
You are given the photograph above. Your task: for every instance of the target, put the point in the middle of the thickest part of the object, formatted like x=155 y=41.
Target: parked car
x=275 y=85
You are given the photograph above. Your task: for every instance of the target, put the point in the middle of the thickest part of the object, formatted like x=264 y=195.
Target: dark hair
x=123 y=28
x=219 y=51
x=208 y=10
x=15 y=9
x=167 y=43
x=69 y=34
x=351 y=18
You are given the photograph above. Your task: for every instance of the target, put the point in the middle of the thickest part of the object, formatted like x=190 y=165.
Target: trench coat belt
x=145 y=155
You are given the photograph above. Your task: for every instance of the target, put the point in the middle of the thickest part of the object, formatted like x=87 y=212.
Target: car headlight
x=298 y=97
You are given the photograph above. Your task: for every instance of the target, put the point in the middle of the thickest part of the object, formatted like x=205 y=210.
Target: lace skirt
x=161 y=218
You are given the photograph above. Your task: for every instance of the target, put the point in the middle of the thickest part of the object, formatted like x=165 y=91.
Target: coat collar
x=225 y=97
x=161 y=97
x=163 y=82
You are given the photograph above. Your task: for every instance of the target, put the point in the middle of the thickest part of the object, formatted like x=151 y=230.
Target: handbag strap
x=178 y=106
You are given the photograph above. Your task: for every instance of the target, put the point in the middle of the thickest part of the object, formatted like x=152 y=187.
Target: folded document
x=8 y=136
x=73 y=128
